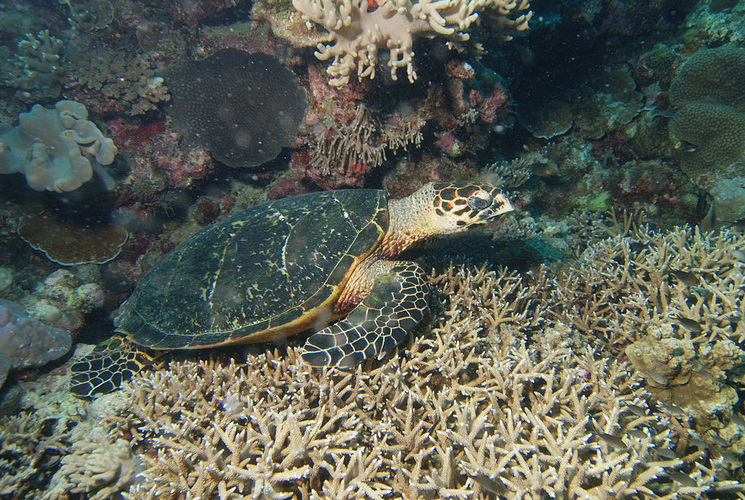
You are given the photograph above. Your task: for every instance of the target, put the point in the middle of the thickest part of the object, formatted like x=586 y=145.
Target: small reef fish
x=612 y=440
x=686 y=277
x=689 y=324
x=658 y=378
x=489 y=485
x=681 y=478
x=666 y=453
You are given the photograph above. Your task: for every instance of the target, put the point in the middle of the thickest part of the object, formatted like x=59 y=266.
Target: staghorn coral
x=515 y=393
x=674 y=302
x=56 y=149
x=95 y=467
x=30 y=450
x=359 y=32
x=38 y=67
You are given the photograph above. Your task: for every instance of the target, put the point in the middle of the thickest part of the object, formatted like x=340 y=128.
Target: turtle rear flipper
x=103 y=370
x=395 y=305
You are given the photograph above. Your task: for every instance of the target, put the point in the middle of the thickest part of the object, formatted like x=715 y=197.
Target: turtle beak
x=500 y=205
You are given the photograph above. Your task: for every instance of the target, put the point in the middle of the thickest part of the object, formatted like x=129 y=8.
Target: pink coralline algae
x=159 y=159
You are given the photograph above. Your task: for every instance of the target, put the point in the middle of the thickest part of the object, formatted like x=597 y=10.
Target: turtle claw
x=394 y=306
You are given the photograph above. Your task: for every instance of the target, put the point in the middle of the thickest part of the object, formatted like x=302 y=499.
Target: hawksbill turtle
x=324 y=261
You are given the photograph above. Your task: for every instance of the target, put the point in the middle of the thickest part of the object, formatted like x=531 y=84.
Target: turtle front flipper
x=395 y=305
x=103 y=370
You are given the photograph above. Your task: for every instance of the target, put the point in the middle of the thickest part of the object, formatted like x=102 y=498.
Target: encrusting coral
x=358 y=31
x=56 y=149
x=26 y=342
x=518 y=392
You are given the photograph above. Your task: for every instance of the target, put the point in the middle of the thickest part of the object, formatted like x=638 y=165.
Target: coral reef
x=358 y=31
x=26 y=342
x=514 y=393
x=717 y=134
x=347 y=152
x=92 y=244
x=95 y=467
x=710 y=121
x=243 y=108
x=711 y=75
x=607 y=101
x=38 y=67
x=30 y=450
x=108 y=81
x=56 y=149
x=89 y=15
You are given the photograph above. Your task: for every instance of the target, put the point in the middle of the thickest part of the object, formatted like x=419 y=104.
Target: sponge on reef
x=26 y=342
x=56 y=149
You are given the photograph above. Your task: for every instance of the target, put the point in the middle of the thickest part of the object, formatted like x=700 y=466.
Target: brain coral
x=716 y=131
x=712 y=75
x=710 y=96
x=243 y=108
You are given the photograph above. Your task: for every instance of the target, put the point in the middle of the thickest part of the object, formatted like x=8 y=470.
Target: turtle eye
x=478 y=203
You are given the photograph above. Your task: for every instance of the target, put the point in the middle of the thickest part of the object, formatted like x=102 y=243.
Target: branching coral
x=56 y=149
x=508 y=395
x=97 y=467
x=30 y=449
x=358 y=33
x=38 y=67
x=107 y=79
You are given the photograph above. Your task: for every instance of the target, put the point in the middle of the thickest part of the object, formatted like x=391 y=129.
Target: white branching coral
x=503 y=398
x=358 y=33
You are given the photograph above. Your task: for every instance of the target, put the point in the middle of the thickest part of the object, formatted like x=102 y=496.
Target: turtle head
x=458 y=206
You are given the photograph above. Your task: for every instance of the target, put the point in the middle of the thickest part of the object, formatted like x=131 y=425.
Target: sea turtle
x=292 y=265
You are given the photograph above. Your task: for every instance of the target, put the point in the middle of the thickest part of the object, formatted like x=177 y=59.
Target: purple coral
x=27 y=342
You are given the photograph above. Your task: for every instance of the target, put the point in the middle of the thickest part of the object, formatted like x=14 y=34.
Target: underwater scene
x=372 y=249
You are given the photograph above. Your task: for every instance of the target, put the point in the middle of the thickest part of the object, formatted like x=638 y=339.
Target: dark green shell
x=264 y=273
